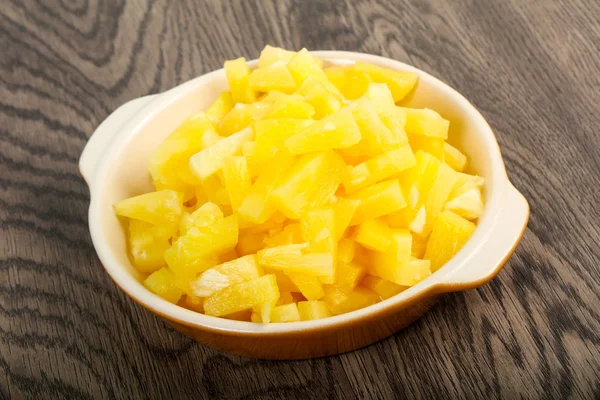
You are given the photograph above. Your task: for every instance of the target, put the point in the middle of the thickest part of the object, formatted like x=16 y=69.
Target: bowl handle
x=102 y=137
x=489 y=259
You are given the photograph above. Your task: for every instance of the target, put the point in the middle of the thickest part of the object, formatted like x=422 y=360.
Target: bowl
x=113 y=164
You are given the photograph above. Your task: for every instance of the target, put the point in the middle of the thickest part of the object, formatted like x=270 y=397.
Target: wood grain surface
x=531 y=67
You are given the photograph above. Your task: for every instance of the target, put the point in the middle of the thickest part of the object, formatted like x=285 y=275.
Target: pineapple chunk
x=257 y=207
x=224 y=275
x=379 y=168
x=272 y=133
x=313 y=309
x=285 y=298
x=384 y=289
x=146 y=248
x=194 y=303
x=272 y=77
x=438 y=194
x=236 y=177
x=190 y=252
x=303 y=64
x=419 y=244
x=393 y=117
x=237 y=75
x=309 y=285
x=399 y=82
x=222 y=105
x=378 y=200
x=316 y=94
x=454 y=158
x=210 y=160
x=426 y=122
x=204 y=215
x=350 y=82
x=431 y=145
x=344 y=212
x=340 y=302
x=270 y=55
x=285 y=313
x=250 y=243
x=295 y=258
x=162 y=283
x=310 y=183
x=450 y=233
x=283 y=281
x=346 y=250
x=374 y=235
x=390 y=265
x=336 y=131
x=213 y=189
x=242 y=296
x=162 y=207
x=291 y=234
x=349 y=275
x=292 y=106
x=318 y=229
x=467 y=201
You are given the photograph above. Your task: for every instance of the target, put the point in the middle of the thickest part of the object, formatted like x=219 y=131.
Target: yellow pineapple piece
x=250 y=243
x=190 y=253
x=438 y=194
x=346 y=249
x=378 y=200
x=241 y=116
x=284 y=282
x=303 y=64
x=318 y=229
x=379 y=168
x=309 y=285
x=340 y=302
x=349 y=275
x=221 y=106
x=194 y=303
x=425 y=122
x=238 y=75
x=270 y=55
x=323 y=100
x=462 y=178
x=454 y=158
x=210 y=160
x=271 y=134
x=146 y=247
x=285 y=298
x=375 y=235
x=336 y=131
x=384 y=289
x=466 y=201
x=399 y=82
x=289 y=235
x=419 y=244
x=204 y=215
x=242 y=296
x=313 y=309
x=257 y=207
x=296 y=258
x=431 y=145
x=394 y=118
x=236 y=177
x=310 y=183
x=390 y=264
x=349 y=81
x=158 y=208
x=290 y=106
x=450 y=232
x=285 y=313
x=162 y=283
x=276 y=76
x=224 y=275
x=344 y=211
x=209 y=138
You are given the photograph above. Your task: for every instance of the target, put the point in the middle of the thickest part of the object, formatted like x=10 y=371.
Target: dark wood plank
x=531 y=67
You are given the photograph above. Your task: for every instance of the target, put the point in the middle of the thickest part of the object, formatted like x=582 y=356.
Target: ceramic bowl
x=113 y=164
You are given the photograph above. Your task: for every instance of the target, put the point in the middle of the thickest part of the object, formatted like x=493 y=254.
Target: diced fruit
x=349 y=81
x=237 y=75
x=313 y=309
x=425 y=122
x=303 y=64
x=438 y=194
x=378 y=200
x=384 y=289
x=344 y=212
x=285 y=298
x=146 y=247
x=272 y=133
x=291 y=234
x=224 y=275
x=242 y=296
x=270 y=55
x=292 y=106
x=374 y=235
x=450 y=232
x=194 y=303
x=454 y=158
x=222 y=105
x=236 y=178
x=310 y=183
x=391 y=264
x=336 y=131
x=210 y=160
x=467 y=201
x=204 y=215
x=250 y=243
x=295 y=258
x=162 y=207
x=348 y=276
x=272 y=77
x=346 y=249
x=318 y=229
x=431 y=145
x=399 y=82
x=309 y=285
x=285 y=313
x=419 y=244
x=316 y=94
x=340 y=302
x=162 y=283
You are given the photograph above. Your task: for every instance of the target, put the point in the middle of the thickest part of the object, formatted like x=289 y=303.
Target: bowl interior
x=125 y=172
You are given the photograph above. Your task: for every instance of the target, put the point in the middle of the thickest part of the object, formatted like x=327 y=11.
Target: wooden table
x=531 y=67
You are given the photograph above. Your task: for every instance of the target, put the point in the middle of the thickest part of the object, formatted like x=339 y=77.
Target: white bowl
x=113 y=164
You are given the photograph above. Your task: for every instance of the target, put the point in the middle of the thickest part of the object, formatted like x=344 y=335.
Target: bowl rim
x=432 y=285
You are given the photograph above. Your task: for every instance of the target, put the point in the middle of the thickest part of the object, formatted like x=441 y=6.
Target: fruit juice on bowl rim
x=124 y=141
